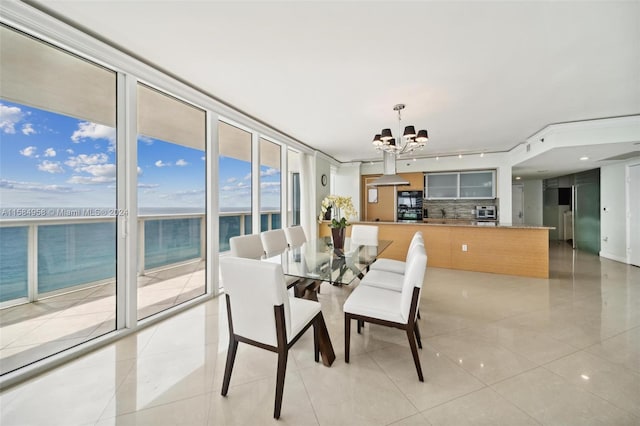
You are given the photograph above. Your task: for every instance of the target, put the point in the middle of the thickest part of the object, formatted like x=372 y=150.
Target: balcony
x=57 y=286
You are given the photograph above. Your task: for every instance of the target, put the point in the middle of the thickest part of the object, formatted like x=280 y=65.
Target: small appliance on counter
x=409 y=206
x=485 y=212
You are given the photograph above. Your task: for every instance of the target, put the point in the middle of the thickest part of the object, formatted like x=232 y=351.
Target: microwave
x=486 y=212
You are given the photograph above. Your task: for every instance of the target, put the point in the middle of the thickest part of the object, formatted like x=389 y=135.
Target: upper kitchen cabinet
x=439 y=186
x=477 y=184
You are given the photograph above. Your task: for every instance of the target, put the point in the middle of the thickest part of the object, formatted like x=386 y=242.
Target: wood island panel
x=522 y=251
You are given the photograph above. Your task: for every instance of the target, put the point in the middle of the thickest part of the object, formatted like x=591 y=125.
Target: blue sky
x=52 y=160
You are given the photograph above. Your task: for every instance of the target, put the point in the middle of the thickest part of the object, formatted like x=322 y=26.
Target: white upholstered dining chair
x=389 y=307
x=274 y=242
x=246 y=246
x=295 y=236
x=397 y=266
x=364 y=235
x=261 y=313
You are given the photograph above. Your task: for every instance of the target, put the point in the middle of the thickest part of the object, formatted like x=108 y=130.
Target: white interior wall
x=532 y=202
x=613 y=208
x=347 y=183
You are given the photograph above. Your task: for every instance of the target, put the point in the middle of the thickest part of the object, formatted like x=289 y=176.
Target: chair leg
x=231 y=358
x=283 y=353
x=316 y=346
x=419 y=314
x=347 y=337
x=416 y=330
x=414 y=352
x=360 y=324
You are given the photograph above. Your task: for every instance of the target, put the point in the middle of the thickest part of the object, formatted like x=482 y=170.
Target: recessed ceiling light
x=518 y=178
x=584 y=158
x=481 y=154
x=437 y=158
x=459 y=155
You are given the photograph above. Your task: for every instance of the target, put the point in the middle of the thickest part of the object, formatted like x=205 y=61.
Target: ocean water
x=73 y=254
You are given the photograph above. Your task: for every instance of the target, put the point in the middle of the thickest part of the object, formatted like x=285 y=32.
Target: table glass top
x=317 y=259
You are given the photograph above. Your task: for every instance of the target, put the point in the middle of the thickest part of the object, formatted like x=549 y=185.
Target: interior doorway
x=633 y=214
x=517 y=204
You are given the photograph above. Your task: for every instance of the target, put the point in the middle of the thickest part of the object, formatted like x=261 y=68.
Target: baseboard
x=613 y=257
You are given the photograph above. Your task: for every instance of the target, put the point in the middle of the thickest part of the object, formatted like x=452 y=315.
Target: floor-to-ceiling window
x=270 y=185
x=294 y=201
x=57 y=200
x=234 y=183
x=171 y=201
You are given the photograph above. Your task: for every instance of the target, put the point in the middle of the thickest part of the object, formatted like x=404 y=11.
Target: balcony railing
x=40 y=257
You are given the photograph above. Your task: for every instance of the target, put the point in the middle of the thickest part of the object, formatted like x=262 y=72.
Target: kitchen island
x=490 y=247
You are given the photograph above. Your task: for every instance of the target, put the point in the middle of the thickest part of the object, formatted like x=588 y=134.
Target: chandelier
x=412 y=140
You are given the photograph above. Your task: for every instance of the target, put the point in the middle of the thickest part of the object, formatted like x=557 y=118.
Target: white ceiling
x=480 y=76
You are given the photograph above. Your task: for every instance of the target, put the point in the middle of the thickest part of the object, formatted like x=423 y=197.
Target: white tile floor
x=498 y=350
x=33 y=331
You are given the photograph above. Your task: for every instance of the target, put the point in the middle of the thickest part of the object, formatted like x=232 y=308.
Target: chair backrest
x=416 y=240
x=295 y=236
x=254 y=287
x=274 y=242
x=365 y=235
x=413 y=277
x=247 y=246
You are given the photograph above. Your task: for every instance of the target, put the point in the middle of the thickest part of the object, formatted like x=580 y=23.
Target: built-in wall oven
x=409 y=206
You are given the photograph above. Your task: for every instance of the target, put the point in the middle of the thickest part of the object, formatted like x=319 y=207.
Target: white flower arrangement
x=339 y=205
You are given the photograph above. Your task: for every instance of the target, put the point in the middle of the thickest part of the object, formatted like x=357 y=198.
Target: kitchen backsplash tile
x=455 y=209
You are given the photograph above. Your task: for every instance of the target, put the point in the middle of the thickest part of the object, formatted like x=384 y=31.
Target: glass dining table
x=317 y=261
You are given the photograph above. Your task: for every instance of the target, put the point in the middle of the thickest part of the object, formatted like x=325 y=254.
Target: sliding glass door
x=57 y=200
x=171 y=201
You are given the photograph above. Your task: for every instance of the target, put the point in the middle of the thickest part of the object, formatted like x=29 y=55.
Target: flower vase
x=338 y=237
x=327 y=214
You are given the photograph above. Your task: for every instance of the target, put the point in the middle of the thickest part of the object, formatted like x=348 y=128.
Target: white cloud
x=90 y=180
x=100 y=173
x=239 y=187
x=269 y=184
x=33 y=186
x=181 y=163
x=69 y=151
x=145 y=139
x=247 y=177
x=49 y=152
x=27 y=129
x=231 y=180
x=148 y=185
x=159 y=163
x=9 y=117
x=29 y=151
x=86 y=160
x=202 y=158
x=269 y=172
x=105 y=170
x=50 y=167
x=139 y=171
x=87 y=130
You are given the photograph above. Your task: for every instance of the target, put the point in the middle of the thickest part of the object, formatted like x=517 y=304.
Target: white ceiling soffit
x=163 y=117
x=480 y=76
x=566 y=160
x=39 y=75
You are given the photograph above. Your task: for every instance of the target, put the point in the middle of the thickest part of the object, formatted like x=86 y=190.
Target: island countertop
x=461 y=222
x=468 y=245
